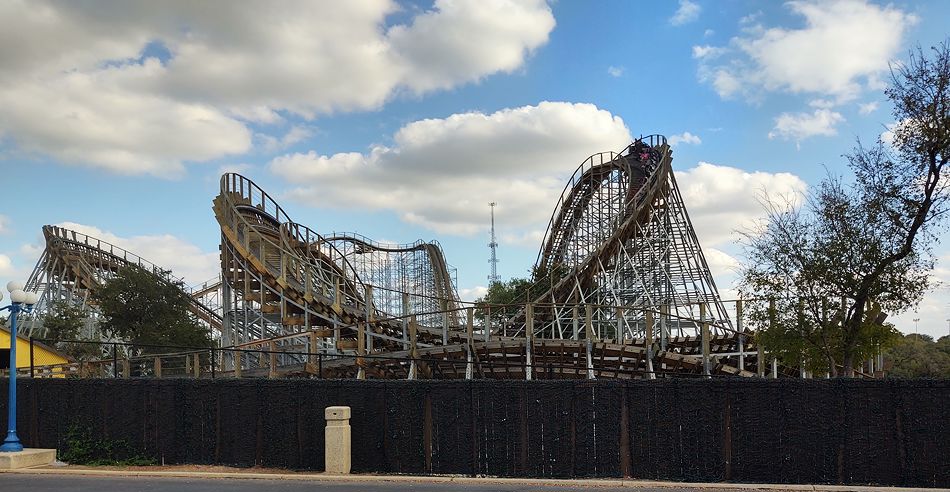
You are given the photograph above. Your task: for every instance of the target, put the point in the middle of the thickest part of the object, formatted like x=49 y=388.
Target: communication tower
x=493 y=261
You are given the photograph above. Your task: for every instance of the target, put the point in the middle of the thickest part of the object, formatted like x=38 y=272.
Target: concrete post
x=337 y=440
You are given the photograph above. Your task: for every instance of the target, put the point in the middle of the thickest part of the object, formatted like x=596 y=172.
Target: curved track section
x=620 y=237
x=623 y=290
x=73 y=265
x=280 y=277
x=408 y=278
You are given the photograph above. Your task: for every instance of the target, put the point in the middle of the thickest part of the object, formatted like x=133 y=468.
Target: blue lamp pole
x=21 y=302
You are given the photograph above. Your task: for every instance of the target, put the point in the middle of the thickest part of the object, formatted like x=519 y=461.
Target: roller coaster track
x=398 y=269
x=73 y=265
x=622 y=289
x=281 y=277
x=619 y=245
x=620 y=237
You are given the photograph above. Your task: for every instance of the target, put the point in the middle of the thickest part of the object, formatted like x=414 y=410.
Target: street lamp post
x=20 y=302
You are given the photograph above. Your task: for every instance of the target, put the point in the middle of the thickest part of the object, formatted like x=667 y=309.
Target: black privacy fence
x=888 y=432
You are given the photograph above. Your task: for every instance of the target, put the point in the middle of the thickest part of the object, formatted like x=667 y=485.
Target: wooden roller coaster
x=622 y=290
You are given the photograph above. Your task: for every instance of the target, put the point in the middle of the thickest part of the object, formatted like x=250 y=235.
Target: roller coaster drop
x=622 y=289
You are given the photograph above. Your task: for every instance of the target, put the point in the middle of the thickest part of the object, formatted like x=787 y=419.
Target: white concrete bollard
x=337 y=440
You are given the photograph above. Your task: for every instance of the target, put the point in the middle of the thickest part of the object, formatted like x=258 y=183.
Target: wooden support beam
x=575 y=323
x=158 y=367
x=470 y=325
x=197 y=365
x=704 y=326
x=413 y=351
x=272 y=366
x=360 y=349
x=238 y=358
x=445 y=321
x=648 y=340
x=741 y=331
x=368 y=298
x=589 y=323
x=529 y=340
x=621 y=336
x=405 y=320
x=313 y=347
x=664 y=326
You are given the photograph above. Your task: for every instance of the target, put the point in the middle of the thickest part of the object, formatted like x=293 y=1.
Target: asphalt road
x=60 y=483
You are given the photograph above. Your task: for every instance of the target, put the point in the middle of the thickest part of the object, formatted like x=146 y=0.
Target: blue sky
x=402 y=120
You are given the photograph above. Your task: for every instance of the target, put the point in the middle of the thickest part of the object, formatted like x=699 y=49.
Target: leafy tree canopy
x=64 y=325
x=864 y=241
x=140 y=307
x=918 y=356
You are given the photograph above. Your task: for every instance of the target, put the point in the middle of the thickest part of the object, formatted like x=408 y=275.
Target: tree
x=918 y=356
x=504 y=299
x=144 y=309
x=865 y=241
x=63 y=324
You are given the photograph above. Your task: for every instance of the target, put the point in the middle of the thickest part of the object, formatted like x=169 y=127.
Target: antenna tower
x=493 y=261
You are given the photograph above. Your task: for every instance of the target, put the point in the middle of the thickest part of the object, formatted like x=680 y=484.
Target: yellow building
x=42 y=355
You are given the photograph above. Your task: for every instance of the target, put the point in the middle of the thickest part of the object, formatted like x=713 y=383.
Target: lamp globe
x=18 y=296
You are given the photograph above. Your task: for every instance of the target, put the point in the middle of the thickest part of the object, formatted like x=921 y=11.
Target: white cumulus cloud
x=724 y=199
x=868 y=108
x=687 y=12
x=843 y=48
x=439 y=173
x=685 y=138
x=146 y=88
x=799 y=126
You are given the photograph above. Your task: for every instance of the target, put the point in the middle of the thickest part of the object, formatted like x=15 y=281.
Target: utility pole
x=493 y=261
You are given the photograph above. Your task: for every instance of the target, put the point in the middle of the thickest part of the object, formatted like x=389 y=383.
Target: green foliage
x=865 y=240
x=515 y=291
x=65 y=321
x=519 y=290
x=79 y=447
x=918 y=356
x=140 y=307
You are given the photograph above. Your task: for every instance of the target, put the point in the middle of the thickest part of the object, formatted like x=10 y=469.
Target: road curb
x=322 y=477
